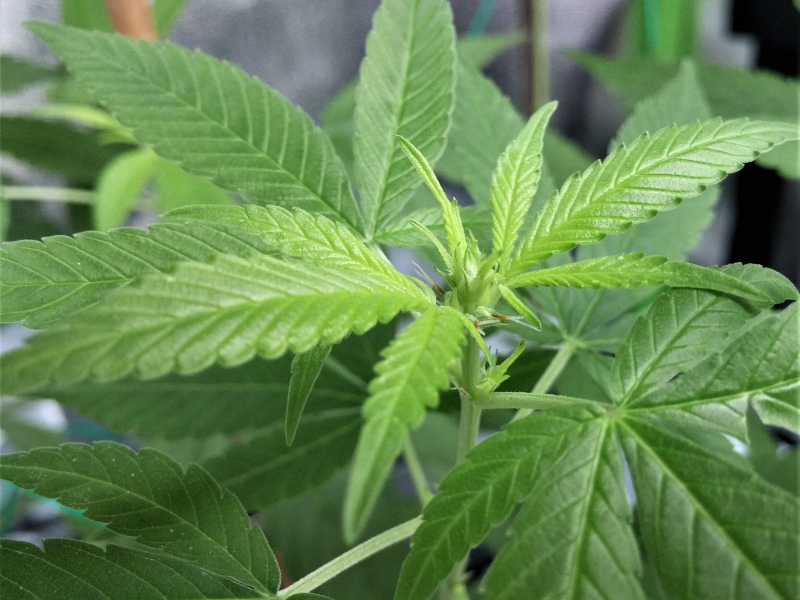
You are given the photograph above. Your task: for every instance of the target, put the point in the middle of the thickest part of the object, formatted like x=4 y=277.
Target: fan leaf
x=306 y=368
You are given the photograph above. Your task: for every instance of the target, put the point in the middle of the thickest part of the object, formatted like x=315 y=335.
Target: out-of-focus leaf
x=120 y=186
x=16 y=74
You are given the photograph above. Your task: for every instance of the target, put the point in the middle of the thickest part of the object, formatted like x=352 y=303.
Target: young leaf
x=148 y=496
x=636 y=269
x=573 y=538
x=405 y=89
x=482 y=491
x=682 y=326
x=413 y=370
x=761 y=366
x=119 y=186
x=227 y=312
x=264 y=470
x=712 y=530
x=404 y=235
x=515 y=180
x=72 y=570
x=42 y=282
x=634 y=183
x=211 y=118
x=306 y=368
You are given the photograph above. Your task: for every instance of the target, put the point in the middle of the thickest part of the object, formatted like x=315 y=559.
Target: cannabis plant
x=183 y=330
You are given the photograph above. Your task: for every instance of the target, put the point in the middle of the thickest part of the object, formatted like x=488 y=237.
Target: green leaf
x=264 y=470
x=683 y=326
x=405 y=89
x=479 y=50
x=573 y=538
x=17 y=74
x=72 y=570
x=482 y=491
x=43 y=282
x=306 y=368
x=86 y=14
x=211 y=118
x=712 y=529
x=177 y=188
x=413 y=370
x=636 y=269
x=760 y=366
x=227 y=312
x=404 y=235
x=515 y=180
x=149 y=496
x=634 y=183
x=564 y=157
x=299 y=234
x=166 y=13
x=119 y=186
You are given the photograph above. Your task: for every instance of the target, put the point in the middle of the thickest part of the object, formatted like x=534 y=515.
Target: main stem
x=540 y=55
x=551 y=373
x=352 y=557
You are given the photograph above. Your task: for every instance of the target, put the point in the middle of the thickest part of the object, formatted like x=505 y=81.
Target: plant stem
x=417 y=473
x=352 y=557
x=46 y=194
x=500 y=400
x=540 y=55
x=132 y=18
x=550 y=375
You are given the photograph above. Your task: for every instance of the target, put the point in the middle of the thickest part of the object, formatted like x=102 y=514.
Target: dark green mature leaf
x=264 y=470
x=408 y=380
x=712 y=529
x=211 y=118
x=72 y=570
x=481 y=492
x=17 y=74
x=760 y=366
x=226 y=311
x=515 y=180
x=682 y=326
x=634 y=183
x=149 y=496
x=573 y=539
x=405 y=88
x=42 y=282
x=636 y=269
x=306 y=368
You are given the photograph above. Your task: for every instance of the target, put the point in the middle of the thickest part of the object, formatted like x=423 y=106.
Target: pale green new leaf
x=408 y=379
x=405 y=88
x=119 y=186
x=482 y=491
x=712 y=529
x=306 y=368
x=573 y=538
x=682 y=326
x=634 y=270
x=226 y=311
x=42 y=282
x=264 y=470
x=147 y=495
x=72 y=570
x=211 y=118
x=761 y=366
x=515 y=180
x=635 y=183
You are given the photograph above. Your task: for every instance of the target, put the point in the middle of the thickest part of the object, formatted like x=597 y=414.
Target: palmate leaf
x=683 y=326
x=264 y=470
x=72 y=570
x=413 y=370
x=211 y=118
x=296 y=233
x=402 y=234
x=481 y=492
x=761 y=366
x=405 y=89
x=515 y=180
x=226 y=311
x=712 y=529
x=306 y=368
x=149 y=496
x=636 y=269
x=573 y=538
x=634 y=183
x=42 y=282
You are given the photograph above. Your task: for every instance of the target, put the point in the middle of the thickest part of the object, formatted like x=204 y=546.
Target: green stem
x=540 y=55
x=352 y=557
x=46 y=194
x=550 y=374
x=531 y=401
x=417 y=473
